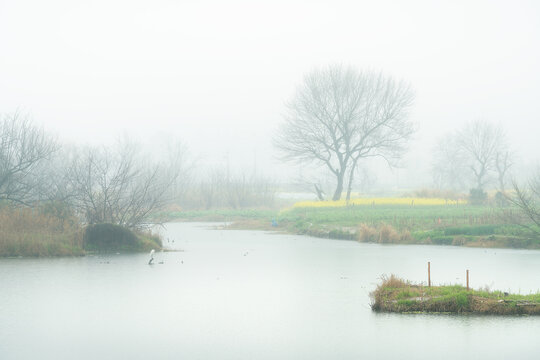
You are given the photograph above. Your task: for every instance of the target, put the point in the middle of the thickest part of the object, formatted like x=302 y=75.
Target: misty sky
x=216 y=74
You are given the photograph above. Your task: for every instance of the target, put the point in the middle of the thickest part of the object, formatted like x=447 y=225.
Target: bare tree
x=481 y=141
x=243 y=190
x=210 y=188
x=339 y=116
x=503 y=163
x=319 y=192
x=220 y=188
x=449 y=167
x=318 y=181
x=120 y=186
x=474 y=154
x=54 y=183
x=181 y=166
x=23 y=148
x=527 y=200
x=364 y=176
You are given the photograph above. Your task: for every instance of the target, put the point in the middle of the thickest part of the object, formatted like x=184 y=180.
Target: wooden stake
x=429 y=274
x=467 y=280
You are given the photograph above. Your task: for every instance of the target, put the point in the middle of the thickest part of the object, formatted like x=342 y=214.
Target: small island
x=400 y=296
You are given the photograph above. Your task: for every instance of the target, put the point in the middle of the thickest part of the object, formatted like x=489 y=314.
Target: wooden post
x=429 y=274
x=467 y=280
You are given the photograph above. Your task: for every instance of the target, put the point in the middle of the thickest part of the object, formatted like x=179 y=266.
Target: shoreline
x=326 y=231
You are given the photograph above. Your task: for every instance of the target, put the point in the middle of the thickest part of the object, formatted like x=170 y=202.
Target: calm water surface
x=256 y=295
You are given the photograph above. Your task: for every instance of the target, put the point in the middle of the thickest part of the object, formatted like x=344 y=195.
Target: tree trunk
x=349 y=192
x=320 y=193
x=351 y=178
x=339 y=186
x=480 y=183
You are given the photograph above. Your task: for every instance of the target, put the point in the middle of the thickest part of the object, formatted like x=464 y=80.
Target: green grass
x=397 y=295
x=399 y=216
x=221 y=215
x=463 y=225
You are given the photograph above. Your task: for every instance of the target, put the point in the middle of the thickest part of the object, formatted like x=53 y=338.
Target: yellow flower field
x=380 y=201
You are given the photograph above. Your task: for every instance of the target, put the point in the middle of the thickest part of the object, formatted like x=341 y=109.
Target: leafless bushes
x=23 y=149
x=472 y=158
x=220 y=189
x=120 y=185
x=438 y=194
x=527 y=200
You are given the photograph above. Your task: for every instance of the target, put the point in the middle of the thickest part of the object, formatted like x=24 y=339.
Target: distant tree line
x=474 y=157
x=121 y=184
x=220 y=188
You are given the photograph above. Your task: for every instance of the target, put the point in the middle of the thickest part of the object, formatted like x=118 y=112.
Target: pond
x=231 y=294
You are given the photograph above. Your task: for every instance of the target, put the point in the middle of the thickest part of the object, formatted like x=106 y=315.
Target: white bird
x=151 y=257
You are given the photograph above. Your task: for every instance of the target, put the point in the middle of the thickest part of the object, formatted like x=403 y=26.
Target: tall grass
x=33 y=232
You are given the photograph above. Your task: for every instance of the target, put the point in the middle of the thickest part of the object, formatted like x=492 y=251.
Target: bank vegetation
x=397 y=295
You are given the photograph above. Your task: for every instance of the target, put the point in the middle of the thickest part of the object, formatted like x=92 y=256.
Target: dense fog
x=216 y=76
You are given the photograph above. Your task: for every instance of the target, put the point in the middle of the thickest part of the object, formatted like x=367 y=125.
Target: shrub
x=471 y=230
x=388 y=234
x=340 y=234
x=477 y=197
x=442 y=240
x=111 y=237
x=367 y=233
x=437 y=193
x=406 y=237
x=501 y=200
x=459 y=241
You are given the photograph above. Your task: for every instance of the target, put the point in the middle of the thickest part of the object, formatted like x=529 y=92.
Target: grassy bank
x=36 y=233
x=31 y=232
x=393 y=221
x=463 y=225
x=397 y=295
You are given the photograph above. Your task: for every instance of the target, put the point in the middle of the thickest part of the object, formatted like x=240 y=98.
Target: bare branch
x=23 y=149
